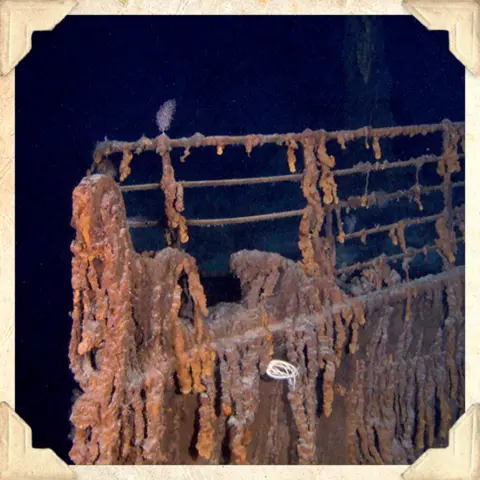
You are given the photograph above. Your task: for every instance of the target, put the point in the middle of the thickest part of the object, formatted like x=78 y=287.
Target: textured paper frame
x=19 y=18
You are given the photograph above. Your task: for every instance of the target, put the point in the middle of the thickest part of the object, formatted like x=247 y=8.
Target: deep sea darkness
x=105 y=76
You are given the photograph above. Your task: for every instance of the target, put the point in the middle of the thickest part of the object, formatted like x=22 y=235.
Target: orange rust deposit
x=379 y=352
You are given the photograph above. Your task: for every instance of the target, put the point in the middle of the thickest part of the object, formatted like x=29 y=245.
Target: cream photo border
x=19 y=18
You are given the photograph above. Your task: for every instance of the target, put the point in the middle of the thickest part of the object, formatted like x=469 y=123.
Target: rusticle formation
x=164 y=379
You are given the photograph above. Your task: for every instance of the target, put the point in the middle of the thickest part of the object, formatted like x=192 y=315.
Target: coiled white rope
x=280 y=370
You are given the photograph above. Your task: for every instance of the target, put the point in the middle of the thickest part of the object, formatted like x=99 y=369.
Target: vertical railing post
x=449 y=164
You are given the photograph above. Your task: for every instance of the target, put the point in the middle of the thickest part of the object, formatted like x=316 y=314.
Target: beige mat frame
x=19 y=18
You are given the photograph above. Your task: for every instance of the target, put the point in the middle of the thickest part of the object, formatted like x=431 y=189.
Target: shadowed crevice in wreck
x=221 y=289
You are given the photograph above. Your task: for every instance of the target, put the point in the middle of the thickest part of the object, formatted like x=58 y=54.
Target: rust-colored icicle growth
x=164 y=380
x=407 y=389
x=127 y=336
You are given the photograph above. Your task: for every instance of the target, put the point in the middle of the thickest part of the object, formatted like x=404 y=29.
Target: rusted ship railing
x=250 y=141
x=143 y=337
x=325 y=173
x=361 y=168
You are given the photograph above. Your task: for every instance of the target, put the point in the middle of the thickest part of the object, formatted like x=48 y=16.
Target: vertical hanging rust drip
x=297 y=395
x=207 y=418
x=177 y=232
x=128 y=337
x=327 y=180
x=312 y=220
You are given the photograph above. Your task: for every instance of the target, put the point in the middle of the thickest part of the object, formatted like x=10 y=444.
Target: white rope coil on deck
x=281 y=370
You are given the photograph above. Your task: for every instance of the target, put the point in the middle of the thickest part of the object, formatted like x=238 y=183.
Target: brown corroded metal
x=165 y=380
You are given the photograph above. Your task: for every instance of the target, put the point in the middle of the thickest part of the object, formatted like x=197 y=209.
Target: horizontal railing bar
x=367 y=167
x=198 y=140
x=247 y=219
x=225 y=221
x=389 y=197
x=217 y=183
x=361 y=168
x=385 y=228
x=297 y=213
x=411 y=252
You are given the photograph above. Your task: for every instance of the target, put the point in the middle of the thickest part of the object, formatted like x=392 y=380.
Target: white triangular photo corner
x=18 y=459
x=461 y=18
x=460 y=460
x=19 y=19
